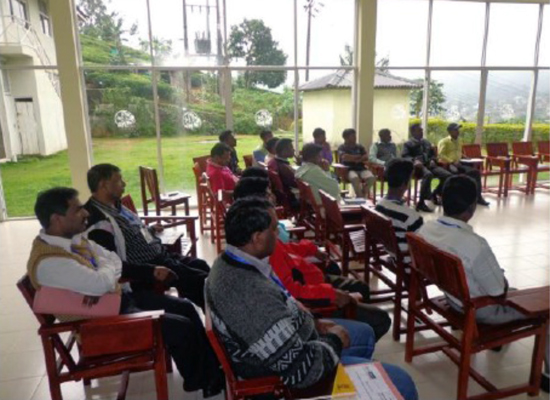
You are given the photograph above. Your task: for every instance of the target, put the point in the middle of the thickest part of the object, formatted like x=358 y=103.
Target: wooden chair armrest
x=350 y=210
x=298 y=231
x=485 y=301
x=502 y=162
x=353 y=227
x=527 y=160
x=323 y=311
x=75 y=325
x=183 y=218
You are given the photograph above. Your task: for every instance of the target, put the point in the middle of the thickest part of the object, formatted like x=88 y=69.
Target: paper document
x=372 y=382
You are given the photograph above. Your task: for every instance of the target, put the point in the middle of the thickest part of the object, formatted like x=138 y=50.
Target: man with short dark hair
x=420 y=151
x=261 y=152
x=353 y=155
x=281 y=165
x=118 y=229
x=384 y=150
x=62 y=257
x=229 y=139
x=449 y=151
x=270 y=147
x=315 y=171
x=278 y=336
x=217 y=169
x=320 y=138
x=404 y=219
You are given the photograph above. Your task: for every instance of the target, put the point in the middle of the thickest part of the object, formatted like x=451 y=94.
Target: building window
x=6 y=81
x=19 y=11
x=44 y=18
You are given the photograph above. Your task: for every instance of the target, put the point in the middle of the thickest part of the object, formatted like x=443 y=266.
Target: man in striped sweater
x=398 y=175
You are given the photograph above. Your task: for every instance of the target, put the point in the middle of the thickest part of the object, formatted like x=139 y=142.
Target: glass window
x=19 y=9
x=544 y=48
x=448 y=46
x=507 y=96
x=44 y=18
x=401 y=31
x=116 y=35
x=542 y=103
x=512 y=34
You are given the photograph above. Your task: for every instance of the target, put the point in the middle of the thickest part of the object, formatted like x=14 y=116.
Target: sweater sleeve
x=304 y=248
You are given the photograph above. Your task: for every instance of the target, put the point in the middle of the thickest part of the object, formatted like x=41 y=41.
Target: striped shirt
x=404 y=219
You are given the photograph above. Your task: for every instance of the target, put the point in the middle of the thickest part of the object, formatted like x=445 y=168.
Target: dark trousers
x=426 y=185
x=191 y=272
x=472 y=173
x=378 y=319
x=183 y=334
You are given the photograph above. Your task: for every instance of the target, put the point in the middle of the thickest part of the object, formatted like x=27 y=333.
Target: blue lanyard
x=272 y=276
x=449 y=224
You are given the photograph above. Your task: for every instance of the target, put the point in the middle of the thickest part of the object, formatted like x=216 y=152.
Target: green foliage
x=437 y=130
x=252 y=41
x=437 y=99
x=98 y=51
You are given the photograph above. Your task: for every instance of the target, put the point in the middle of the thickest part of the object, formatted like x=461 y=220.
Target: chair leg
x=86 y=382
x=397 y=309
x=537 y=360
x=51 y=368
x=409 y=343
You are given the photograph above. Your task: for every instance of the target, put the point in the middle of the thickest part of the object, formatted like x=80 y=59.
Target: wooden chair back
x=307 y=199
x=202 y=161
x=333 y=215
x=438 y=267
x=544 y=147
x=149 y=188
x=472 y=151
x=380 y=229
x=279 y=191
x=106 y=347
x=523 y=148
x=128 y=202
x=497 y=149
x=248 y=160
x=311 y=213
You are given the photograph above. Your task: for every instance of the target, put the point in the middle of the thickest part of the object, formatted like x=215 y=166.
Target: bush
x=437 y=130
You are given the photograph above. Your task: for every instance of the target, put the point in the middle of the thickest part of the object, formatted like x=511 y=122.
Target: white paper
x=370 y=384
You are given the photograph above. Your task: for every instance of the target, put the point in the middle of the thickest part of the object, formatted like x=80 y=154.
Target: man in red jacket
x=217 y=169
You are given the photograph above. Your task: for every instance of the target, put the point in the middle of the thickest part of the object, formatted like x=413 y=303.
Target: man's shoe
x=482 y=202
x=421 y=206
x=435 y=199
x=545 y=383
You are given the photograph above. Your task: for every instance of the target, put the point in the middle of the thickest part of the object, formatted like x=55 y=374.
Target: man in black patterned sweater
x=263 y=328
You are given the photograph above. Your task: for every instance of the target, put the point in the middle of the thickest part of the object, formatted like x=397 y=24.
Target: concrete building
x=327 y=103
x=31 y=113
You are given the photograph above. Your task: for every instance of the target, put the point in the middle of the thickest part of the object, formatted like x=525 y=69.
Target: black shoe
x=214 y=387
x=496 y=349
x=435 y=199
x=545 y=383
x=482 y=202
x=421 y=206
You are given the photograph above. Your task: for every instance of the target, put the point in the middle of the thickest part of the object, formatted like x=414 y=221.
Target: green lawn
x=24 y=179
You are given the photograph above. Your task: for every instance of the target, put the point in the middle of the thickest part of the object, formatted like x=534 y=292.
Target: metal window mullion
x=296 y=80
x=354 y=92
x=427 y=72
x=155 y=101
x=528 y=132
x=483 y=78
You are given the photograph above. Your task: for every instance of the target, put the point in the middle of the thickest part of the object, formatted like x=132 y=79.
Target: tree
x=346 y=59
x=435 y=103
x=252 y=41
x=161 y=47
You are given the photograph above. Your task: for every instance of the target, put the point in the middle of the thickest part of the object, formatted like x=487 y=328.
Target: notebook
x=49 y=300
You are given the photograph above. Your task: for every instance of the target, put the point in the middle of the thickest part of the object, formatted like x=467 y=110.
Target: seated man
x=292 y=262
x=449 y=151
x=270 y=147
x=421 y=153
x=62 y=258
x=278 y=336
x=315 y=171
x=261 y=151
x=453 y=234
x=217 y=169
x=353 y=155
x=229 y=139
x=281 y=165
x=320 y=138
x=384 y=150
x=118 y=229
x=404 y=219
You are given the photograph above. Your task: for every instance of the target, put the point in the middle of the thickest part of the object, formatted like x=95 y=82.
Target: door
x=26 y=125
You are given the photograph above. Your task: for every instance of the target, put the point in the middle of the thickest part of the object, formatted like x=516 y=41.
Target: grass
x=24 y=179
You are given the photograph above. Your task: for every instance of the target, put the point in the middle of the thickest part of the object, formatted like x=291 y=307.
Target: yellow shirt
x=449 y=150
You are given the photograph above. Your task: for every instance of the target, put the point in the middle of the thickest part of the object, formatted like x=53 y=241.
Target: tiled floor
x=518 y=229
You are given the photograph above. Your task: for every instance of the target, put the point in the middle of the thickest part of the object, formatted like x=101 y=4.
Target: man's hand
x=164 y=275
x=90 y=301
x=158 y=228
x=325 y=165
x=323 y=325
x=356 y=297
x=342 y=333
x=342 y=298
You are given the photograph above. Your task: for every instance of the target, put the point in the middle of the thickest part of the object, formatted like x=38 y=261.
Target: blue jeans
x=362 y=342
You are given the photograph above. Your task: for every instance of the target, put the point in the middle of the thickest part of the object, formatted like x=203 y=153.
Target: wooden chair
x=237 y=388
x=473 y=152
x=378 y=172
x=497 y=155
x=202 y=201
x=106 y=346
x=280 y=194
x=544 y=150
x=248 y=160
x=311 y=213
x=432 y=265
x=173 y=237
x=524 y=151
x=202 y=161
x=150 y=193
x=344 y=242
x=217 y=209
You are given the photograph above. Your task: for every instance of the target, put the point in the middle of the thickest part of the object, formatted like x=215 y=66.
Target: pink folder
x=49 y=300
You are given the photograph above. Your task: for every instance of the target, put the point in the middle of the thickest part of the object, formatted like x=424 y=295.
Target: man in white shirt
x=453 y=234
x=62 y=258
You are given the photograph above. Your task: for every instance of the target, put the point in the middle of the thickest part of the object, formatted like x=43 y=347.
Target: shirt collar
x=261 y=265
x=454 y=223
x=59 y=241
